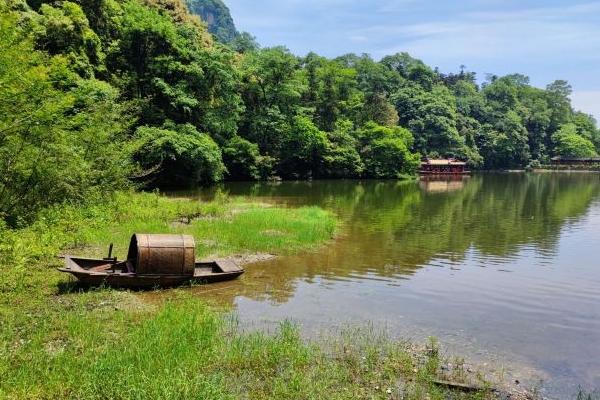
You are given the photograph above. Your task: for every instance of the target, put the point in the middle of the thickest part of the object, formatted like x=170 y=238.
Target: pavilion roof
x=441 y=162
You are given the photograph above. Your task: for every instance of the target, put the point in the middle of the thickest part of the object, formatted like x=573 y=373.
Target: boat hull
x=91 y=272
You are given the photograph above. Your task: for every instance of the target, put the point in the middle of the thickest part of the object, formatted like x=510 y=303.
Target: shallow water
x=502 y=268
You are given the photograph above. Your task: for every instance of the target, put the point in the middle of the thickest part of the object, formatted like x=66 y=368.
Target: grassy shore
x=60 y=343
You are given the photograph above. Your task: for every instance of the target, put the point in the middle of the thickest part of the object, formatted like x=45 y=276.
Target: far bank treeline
x=96 y=94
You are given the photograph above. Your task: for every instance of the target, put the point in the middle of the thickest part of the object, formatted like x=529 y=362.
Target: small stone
x=389 y=391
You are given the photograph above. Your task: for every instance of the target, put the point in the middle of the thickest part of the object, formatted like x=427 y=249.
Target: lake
x=503 y=268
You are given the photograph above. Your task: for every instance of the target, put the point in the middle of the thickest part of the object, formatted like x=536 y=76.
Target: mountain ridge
x=217 y=17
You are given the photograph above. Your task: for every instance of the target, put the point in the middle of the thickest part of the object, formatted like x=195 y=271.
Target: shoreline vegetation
x=544 y=170
x=57 y=341
x=99 y=97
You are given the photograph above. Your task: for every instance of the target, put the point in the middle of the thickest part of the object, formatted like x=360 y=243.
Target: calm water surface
x=501 y=268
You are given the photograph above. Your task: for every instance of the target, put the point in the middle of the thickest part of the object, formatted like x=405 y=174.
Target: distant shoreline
x=538 y=170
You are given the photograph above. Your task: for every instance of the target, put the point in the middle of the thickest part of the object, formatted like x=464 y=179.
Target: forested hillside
x=96 y=95
x=217 y=18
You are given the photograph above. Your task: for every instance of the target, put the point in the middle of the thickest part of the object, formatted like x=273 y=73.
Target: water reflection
x=436 y=184
x=395 y=228
x=507 y=262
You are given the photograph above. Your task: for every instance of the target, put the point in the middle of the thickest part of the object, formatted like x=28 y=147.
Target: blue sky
x=546 y=40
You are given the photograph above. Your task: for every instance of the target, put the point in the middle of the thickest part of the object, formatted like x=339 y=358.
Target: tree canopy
x=98 y=94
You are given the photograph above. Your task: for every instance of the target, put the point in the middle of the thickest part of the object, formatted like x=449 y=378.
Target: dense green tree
x=451 y=80
x=470 y=107
x=375 y=78
x=272 y=79
x=586 y=127
x=86 y=83
x=64 y=29
x=503 y=144
x=331 y=91
x=329 y=99
x=178 y=155
x=558 y=93
x=469 y=101
x=303 y=149
x=341 y=158
x=271 y=91
x=376 y=82
x=378 y=109
x=570 y=144
x=173 y=75
x=536 y=116
x=244 y=43
x=242 y=159
x=61 y=137
x=505 y=141
x=432 y=117
x=412 y=69
x=386 y=151
x=501 y=95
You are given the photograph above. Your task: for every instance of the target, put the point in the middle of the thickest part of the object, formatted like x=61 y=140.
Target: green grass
x=185 y=350
x=106 y=344
x=221 y=227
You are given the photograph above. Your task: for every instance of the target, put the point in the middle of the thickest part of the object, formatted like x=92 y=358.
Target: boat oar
x=110 y=257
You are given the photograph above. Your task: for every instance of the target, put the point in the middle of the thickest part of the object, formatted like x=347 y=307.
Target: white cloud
x=545 y=40
x=545 y=43
x=587 y=101
x=493 y=35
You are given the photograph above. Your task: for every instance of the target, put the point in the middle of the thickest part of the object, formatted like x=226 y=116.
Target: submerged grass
x=100 y=344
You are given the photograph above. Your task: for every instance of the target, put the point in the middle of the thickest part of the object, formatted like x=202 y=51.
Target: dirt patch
x=56 y=346
x=184 y=221
x=245 y=259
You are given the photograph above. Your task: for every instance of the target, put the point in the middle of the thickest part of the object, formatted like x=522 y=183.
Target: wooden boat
x=117 y=274
x=152 y=261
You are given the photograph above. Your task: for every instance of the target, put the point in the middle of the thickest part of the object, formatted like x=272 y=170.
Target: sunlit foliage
x=95 y=92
